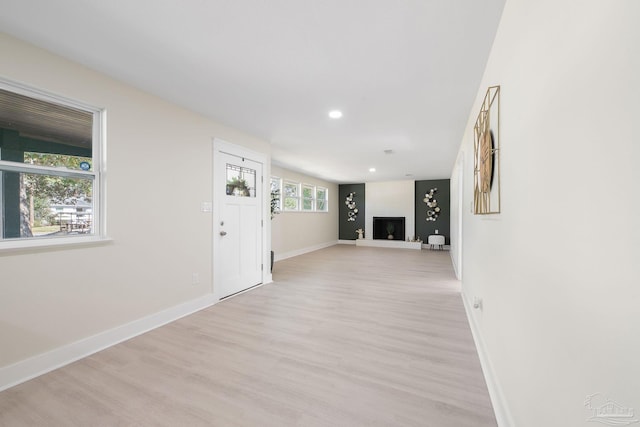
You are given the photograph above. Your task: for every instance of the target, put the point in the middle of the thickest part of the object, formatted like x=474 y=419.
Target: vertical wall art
x=351 y=205
x=434 y=210
x=486 y=148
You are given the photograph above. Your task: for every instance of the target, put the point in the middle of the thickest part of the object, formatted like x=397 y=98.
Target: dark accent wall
x=423 y=227
x=347 y=229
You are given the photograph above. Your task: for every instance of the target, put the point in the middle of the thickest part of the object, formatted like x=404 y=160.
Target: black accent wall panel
x=423 y=227
x=347 y=229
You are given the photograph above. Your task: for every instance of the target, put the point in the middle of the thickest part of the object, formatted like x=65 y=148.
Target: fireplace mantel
x=391 y=199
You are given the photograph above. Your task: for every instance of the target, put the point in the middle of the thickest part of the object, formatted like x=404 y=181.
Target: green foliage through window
x=49 y=173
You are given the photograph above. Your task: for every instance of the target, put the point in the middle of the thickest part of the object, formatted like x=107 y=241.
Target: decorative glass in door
x=241 y=181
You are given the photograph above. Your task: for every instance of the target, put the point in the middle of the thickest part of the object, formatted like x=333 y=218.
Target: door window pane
x=241 y=181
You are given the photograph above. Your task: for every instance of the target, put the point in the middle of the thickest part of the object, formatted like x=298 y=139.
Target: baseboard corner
x=302 y=251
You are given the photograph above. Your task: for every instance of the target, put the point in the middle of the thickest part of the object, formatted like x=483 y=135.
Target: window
x=276 y=194
x=291 y=196
x=49 y=166
x=241 y=181
x=308 y=199
x=300 y=197
x=322 y=204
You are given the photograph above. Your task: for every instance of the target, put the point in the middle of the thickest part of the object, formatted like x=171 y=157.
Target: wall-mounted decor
x=486 y=147
x=352 y=214
x=347 y=228
x=424 y=226
x=434 y=210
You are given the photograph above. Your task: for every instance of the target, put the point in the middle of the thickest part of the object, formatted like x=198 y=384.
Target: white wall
x=558 y=268
x=391 y=198
x=158 y=155
x=294 y=233
x=457 y=212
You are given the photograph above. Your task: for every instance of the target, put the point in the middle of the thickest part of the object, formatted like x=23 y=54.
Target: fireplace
x=381 y=224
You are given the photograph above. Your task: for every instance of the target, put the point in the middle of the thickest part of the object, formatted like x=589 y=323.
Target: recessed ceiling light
x=372 y=169
x=335 y=114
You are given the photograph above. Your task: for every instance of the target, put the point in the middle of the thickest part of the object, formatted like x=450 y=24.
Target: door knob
x=223 y=233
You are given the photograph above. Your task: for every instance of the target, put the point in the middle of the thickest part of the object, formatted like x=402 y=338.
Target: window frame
x=297 y=197
x=300 y=198
x=98 y=149
x=311 y=199
x=325 y=199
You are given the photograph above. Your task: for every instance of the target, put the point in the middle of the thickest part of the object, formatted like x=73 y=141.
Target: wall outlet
x=477 y=303
x=206 y=207
x=195 y=278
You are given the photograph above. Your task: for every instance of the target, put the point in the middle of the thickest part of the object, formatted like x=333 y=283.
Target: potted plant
x=390 y=230
x=237 y=187
x=275 y=198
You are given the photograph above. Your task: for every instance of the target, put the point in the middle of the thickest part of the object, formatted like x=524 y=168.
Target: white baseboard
x=456 y=269
x=500 y=408
x=302 y=251
x=27 y=369
x=346 y=242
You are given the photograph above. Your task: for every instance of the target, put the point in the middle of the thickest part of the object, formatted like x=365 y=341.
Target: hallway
x=344 y=336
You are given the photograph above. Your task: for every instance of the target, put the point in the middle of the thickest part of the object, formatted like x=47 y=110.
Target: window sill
x=9 y=247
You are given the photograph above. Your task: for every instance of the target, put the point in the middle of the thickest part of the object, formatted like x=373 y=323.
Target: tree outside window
x=49 y=165
x=307 y=198
x=291 y=196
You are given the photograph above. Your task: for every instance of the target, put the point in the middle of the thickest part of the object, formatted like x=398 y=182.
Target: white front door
x=237 y=228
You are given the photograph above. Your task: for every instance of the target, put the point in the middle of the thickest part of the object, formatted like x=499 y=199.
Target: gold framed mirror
x=486 y=159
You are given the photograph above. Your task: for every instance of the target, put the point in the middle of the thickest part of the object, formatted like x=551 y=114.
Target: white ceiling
x=405 y=73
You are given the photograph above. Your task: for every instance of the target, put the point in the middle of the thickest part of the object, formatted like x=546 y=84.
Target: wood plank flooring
x=345 y=336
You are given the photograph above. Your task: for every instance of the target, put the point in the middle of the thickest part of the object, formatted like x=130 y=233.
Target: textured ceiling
x=404 y=73
x=44 y=120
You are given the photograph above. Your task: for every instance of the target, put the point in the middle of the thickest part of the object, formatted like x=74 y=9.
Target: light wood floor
x=344 y=336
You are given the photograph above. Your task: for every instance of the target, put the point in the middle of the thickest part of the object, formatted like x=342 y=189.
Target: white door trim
x=220 y=145
x=457 y=208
